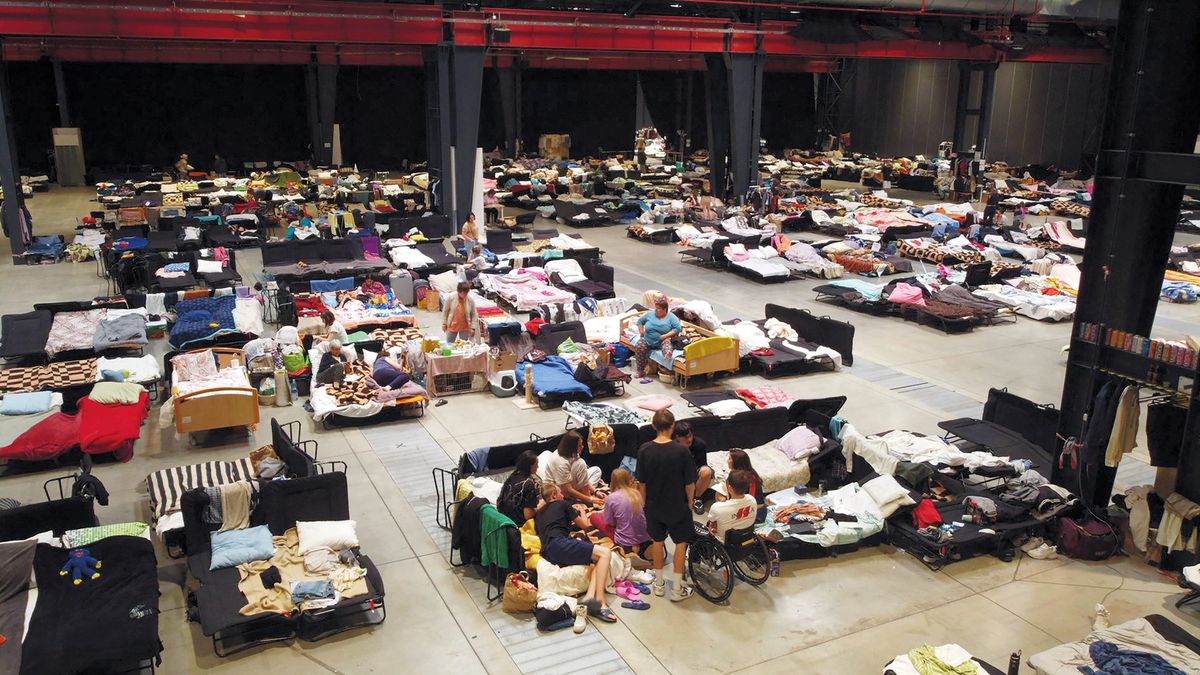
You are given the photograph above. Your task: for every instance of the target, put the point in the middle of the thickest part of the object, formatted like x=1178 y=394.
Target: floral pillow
x=195 y=366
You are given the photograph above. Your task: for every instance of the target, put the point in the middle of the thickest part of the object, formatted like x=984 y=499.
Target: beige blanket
x=290 y=563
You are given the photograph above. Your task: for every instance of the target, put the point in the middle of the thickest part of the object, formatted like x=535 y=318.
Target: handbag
x=601 y=440
x=520 y=595
x=1087 y=539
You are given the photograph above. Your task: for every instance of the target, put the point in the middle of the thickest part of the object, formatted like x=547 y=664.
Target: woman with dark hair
x=521 y=490
x=569 y=472
x=739 y=460
x=333 y=328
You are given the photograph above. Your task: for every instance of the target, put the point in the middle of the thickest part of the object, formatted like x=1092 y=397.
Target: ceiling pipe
x=1043 y=10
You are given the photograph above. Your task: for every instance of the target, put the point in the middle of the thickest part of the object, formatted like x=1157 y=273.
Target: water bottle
x=1014 y=663
x=774 y=555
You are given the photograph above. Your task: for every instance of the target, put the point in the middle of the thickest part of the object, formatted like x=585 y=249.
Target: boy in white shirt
x=734 y=513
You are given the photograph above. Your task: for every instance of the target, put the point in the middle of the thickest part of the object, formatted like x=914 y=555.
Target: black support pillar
x=10 y=179
x=468 y=87
x=510 y=106
x=1150 y=128
x=745 y=119
x=313 y=110
x=60 y=91
x=438 y=132
x=716 y=98
x=981 y=110
x=326 y=109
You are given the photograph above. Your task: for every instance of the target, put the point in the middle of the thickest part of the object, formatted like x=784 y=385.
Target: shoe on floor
x=681 y=591
x=698 y=507
x=1100 y=622
x=1043 y=552
x=659 y=588
x=641 y=577
x=1033 y=543
x=580 y=618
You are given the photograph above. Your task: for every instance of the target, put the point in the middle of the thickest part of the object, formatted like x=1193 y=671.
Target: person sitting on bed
x=569 y=472
x=739 y=460
x=333 y=329
x=737 y=511
x=334 y=365
x=553 y=522
x=704 y=474
x=522 y=490
x=656 y=328
x=389 y=373
x=476 y=258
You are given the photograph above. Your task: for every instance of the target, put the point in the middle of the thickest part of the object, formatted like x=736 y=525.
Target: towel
x=235 y=506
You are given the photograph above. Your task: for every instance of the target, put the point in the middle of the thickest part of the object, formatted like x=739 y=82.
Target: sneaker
x=580 y=618
x=681 y=591
x=659 y=588
x=1100 y=622
x=1033 y=543
x=641 y=577
x=1043 y=552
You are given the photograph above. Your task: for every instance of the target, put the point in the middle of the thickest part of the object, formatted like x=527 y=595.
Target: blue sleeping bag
x=197 y=318
x=554 y=376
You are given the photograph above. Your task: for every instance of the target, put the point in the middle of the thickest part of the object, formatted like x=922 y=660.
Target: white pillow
x=334 y=534
x=209 y=266
x=888 y=494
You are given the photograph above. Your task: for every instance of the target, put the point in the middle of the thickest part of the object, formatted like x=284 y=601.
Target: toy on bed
x=80 y=564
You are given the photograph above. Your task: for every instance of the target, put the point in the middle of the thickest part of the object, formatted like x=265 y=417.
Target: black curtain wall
x=666 y=98
x=595 y=107
x=381 y=111
x=788 y=110
x=150 y=113
x=34 y=113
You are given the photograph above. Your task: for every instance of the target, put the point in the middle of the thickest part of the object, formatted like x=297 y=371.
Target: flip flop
x=636 y=604
x=642 y=588
x=645 y=380
x=606 y=615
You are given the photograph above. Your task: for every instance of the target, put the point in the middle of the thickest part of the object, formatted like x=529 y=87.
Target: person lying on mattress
x=704 y=474
x=657 y=328
x=569 y=472
x=554 y=522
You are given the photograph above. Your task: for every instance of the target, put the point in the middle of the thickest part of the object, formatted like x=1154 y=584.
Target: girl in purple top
x=623 y=513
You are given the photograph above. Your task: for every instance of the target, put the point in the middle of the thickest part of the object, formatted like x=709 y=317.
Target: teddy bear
x=80 y=563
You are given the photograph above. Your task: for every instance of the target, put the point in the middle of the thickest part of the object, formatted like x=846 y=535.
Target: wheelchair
x=712 y=564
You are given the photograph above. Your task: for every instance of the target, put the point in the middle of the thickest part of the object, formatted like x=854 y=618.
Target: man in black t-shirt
x=704 y=474
x=553 y=523
x=667 y=475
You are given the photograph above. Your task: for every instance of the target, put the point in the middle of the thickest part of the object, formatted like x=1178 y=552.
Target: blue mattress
x=197 y=318
x=554 y=376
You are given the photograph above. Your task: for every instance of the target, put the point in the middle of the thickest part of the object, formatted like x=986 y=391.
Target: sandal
x=626 y=590
x=636 y=604
x=606 y=615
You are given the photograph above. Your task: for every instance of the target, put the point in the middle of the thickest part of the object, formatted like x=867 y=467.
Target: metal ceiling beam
x=356 y=24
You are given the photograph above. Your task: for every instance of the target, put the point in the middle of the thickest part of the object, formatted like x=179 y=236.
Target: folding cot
x=215 y=604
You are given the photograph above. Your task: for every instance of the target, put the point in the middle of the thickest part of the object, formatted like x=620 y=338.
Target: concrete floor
x=845 y=615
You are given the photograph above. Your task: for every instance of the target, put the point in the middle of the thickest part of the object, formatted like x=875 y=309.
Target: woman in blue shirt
x=657 y=329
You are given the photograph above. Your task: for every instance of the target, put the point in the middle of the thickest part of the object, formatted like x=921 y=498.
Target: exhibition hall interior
x=615 y=336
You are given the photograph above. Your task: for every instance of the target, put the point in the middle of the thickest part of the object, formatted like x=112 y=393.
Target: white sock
x=658 y=577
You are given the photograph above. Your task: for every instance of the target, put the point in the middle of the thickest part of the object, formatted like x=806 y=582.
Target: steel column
x=467 y=73
x=10 y=177
x=1153 y=108
x=984 y=123
x=745 y=118
x=509 y=78
x=313 y=110
x=716 y=95
x=327 y=109
x=60 y=91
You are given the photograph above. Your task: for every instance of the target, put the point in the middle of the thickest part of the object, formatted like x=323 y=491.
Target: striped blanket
x=166 y=486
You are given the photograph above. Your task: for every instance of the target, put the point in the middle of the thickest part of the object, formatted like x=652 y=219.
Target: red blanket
x=45 y=440
x=111 y=427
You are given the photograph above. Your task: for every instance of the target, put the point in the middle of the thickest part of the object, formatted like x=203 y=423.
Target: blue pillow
x=234 y=547
x=112 y=375
x=177 y=267
x=25 y=404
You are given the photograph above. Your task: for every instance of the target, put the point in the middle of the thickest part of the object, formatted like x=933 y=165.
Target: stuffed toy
x=80 y=563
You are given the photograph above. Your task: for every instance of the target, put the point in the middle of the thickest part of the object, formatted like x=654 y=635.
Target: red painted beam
x=321 y=22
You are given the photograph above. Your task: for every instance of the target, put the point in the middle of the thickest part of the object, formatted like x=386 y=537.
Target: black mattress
x=25 y=334
x=103 y=624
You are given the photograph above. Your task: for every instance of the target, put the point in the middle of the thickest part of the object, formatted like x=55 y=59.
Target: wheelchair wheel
x=710 y=569
x=754 y=566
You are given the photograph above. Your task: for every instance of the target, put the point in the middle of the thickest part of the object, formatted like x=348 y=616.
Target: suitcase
x=402 y=286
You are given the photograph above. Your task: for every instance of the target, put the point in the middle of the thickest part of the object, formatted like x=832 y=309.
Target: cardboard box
x=501 y=362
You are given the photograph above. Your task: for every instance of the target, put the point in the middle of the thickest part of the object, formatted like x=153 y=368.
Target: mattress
x=774 y=468
x=1153 y=634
